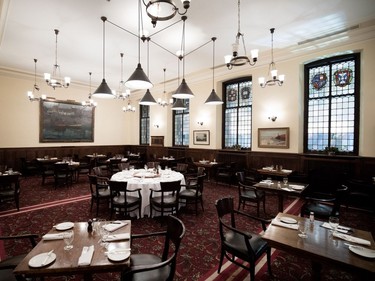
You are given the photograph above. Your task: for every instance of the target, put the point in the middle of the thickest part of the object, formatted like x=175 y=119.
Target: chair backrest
x=225 y=206
x=115 y=188
x=170 y=186
x=124 y=166
x=93 y=180
x=10 y=181
x=200 y=171
x=97 y=171
x=240 y=177
x=182 y=167
x=61 y=168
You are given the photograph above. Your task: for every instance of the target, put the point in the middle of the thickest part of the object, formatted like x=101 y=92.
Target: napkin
x=266 y=182
x=286 y=171
x=86 y=255
x=351 y=238
x=287 y=189
x=287 y=225
x=340 y=228
x=53 y=236
x=117 y=237
x=114 y=225
x=296 y=186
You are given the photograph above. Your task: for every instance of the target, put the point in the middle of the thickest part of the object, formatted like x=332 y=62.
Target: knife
x=47 y=257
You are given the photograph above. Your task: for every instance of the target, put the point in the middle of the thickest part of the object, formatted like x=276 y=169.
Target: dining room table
x=274 y=172
x=145 y=180
x=90 y=253
x=281 y=189
x=346 y=247
x=210 y=166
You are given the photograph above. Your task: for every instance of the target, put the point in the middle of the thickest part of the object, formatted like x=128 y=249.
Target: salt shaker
x=89 y=226
x=311 y=216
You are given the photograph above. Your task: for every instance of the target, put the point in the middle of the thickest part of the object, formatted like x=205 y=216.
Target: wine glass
x=333 y=222
x=285 y=181
x=68 y=240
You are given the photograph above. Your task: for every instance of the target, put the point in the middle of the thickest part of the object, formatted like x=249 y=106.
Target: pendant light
x=90 y=102
x=103 y=91
x=178 y=105
x=163 y=102
x=139 y=80
x=30 y=94
x=183 y=91
x=213 y=98
x=148 y=99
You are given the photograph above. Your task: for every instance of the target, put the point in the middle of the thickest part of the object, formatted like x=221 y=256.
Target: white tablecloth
x=146 y=183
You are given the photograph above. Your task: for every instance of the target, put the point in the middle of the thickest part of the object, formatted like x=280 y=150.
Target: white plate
x=296 y=187
x=65 y=225
x=364 y=252
x=287 y=220
x=118 y=256
x=40 y=260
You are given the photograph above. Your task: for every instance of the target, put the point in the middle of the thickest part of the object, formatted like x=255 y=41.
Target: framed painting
x=66 y=121
x=273 y=137
x=201 y=137
x=157 y=140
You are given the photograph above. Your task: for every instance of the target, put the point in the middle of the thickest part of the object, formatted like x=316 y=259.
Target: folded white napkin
x=266 y=182
x=117 y=237
x=286 y=171
x=53 y=236
x=296 y=186
x=342 y=229
x=287 y=189
x=287 y=225
x=86 y=255
x=114 y=225
x=352 y=238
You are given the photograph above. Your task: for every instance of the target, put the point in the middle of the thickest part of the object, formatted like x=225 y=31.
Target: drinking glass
x=68 y=240
x=103 y=234
x=301 y=229
x=333 y=222
x=285 y=181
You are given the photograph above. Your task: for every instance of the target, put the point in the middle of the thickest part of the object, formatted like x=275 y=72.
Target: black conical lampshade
x=139 y=79
x=178 y=105
x=103 y=91
x=183 y=91
x=147 y=99
x=213 y=99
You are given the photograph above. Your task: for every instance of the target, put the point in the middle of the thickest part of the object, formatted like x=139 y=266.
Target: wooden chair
x=99 y=192
x=237 y=243
x=165 y=199
x=193 y=193
x=113 y=165
x=152 y=267
x=124 y=199
x=62 y=174
x=248 y=195
x=10 y=189
x=47 y=172
x=182 y=168
x=124 y=166
x=10 y=263
x=226 y=173
x=152 y=165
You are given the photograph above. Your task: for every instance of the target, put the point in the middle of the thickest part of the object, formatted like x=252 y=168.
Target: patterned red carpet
x=44 y=206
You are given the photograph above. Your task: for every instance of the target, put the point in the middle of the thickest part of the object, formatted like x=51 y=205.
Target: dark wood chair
x=10 y=189
x=123 y=199
x=151 y=165
x=124 y=166
x=248 y=195
x=193 y=193
x=166 y=199
x=226 y=173
x=47 y=172
x=152 y=267
x=8 y=264
x=324 y=205
x=62 y=174
x=181 y=168
x=237 y=243
x=113 y=165
x=29 y=167
x=99 y=192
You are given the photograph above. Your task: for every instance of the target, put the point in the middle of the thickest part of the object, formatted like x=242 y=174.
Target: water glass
x=333 y=222
x=285 y=181
x=301 y=229
x=68 y=240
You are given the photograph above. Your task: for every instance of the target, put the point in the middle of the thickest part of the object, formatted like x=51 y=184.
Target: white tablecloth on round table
x=146 y=183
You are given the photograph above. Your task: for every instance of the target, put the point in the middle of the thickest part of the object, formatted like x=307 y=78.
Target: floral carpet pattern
x=200 y=248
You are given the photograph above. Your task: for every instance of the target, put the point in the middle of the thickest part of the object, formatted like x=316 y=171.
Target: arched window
x=181 y=125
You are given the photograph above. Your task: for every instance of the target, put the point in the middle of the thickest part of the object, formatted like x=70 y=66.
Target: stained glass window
x=144 y=124
x=332 y=104
x=237 y=113
x=181 y=125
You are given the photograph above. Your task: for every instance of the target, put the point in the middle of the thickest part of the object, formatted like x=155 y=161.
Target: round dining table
x=146 y=179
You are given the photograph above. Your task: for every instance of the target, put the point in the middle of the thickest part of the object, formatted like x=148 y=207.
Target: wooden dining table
x=281 y=190
x=66 y=262
x=321 y=247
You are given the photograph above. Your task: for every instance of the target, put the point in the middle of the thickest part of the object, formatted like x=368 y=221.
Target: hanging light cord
x=56 y=32
x=183 y=48
x=213 y=62
x=164 y=81
x=103 y=19
x=90 y=85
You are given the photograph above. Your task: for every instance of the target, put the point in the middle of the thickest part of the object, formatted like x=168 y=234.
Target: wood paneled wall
x=360 y=167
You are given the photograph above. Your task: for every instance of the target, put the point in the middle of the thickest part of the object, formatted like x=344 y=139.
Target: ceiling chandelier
x=213 y=98
x=90 y=102
x=103 y=91
x=123 y=92
x=139 y=80
x=272 y=71
x=235 y=59
x=164 y=102
x=183 y=91
x=31 y=94
x=162 y=10
x=55 y=80
x=128 y=108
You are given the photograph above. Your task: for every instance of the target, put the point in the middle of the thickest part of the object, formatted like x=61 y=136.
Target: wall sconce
x=200 y=123
x=272 y=118
x=156 y=125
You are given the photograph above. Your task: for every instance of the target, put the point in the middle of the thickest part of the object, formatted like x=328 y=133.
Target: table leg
x=316 y=268
x=281 y=203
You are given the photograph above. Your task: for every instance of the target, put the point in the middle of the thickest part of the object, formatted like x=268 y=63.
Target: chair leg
x=221 y=261
x=252 y=272
x=269 y=261
x=202 y=204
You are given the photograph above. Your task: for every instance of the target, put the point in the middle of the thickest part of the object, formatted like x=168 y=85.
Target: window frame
x=330 y=61
x=147 y=118
x=180 y=113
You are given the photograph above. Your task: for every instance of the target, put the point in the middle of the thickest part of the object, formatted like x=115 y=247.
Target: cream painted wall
x=20 y=118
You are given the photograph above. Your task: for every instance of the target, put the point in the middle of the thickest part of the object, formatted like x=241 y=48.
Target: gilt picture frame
x=273 y=137
x=201 y=137
x=66 y=121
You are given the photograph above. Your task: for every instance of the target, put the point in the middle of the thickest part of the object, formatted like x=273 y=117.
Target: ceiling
x=27 y=32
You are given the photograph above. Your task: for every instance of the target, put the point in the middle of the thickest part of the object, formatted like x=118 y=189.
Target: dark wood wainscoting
x=359 y=167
